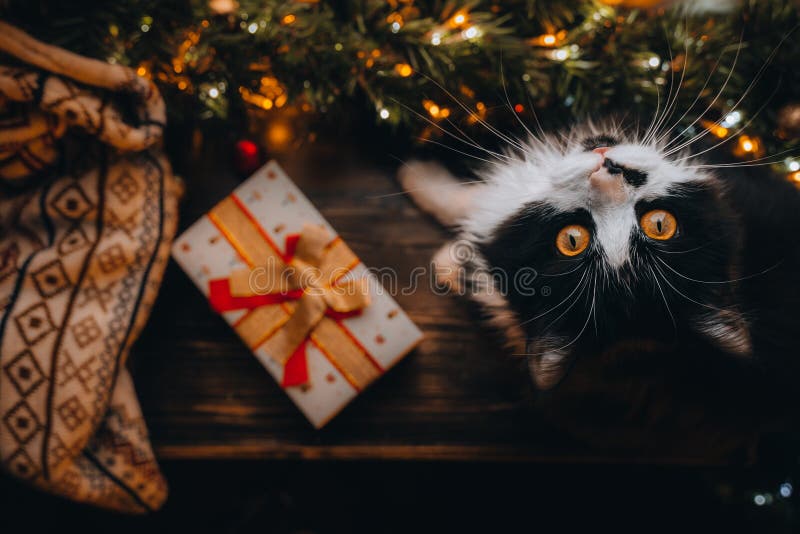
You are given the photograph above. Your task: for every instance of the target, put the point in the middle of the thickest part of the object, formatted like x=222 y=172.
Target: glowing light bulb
x=732 y=119
x=654 y=61
x=471 y=32
x=403 y=69
x=561 y=54
x=793 y=166
x=395 y=27
x=288 y=19
x=252 y=28
x=549 y=39
x=436 y=39
x=459 y=19
x=384 y=113
x=213 y=92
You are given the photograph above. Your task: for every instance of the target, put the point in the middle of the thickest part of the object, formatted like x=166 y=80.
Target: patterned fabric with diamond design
x=83 y=247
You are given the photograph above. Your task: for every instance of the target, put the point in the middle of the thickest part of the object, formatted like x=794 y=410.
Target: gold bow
x=296 y=296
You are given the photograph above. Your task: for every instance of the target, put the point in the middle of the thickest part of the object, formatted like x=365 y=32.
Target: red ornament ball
x=247 y=157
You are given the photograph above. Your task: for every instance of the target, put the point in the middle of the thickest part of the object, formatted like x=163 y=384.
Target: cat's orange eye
x=659 y=224
x=572 y=240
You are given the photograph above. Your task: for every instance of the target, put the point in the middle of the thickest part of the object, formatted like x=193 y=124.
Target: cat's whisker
x=474 y=115
x=691 y=106
x=714 y=282
x=583 y=287
x=476 y=144
x=450 y=134
x=448 y=147
x=577 y=337
x=765 y=164
x=594 y=305
x=747 y=91
x=655 y=116
x=427 y=188
x=508 y=101
x=562 y=274
x=740 y=130
x=713 y=102
x=695 y=249
x=676 y=290
x=659 y=118
x=747 y=163
x=664 y=297
x=674 y=105
x=543 y=135
x=577 y=286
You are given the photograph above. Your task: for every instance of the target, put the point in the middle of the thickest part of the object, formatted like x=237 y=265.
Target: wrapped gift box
x=295 y=293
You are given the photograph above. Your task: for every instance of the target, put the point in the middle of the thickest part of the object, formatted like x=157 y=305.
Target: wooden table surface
x=456 y=397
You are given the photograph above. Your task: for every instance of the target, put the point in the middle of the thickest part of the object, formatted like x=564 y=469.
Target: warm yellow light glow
x=395 y=21
x=549 y=39
x=288 y=19
x=279 y=134
x=715 y=128
x=459 y=18
x=403 y=69
x=748 y=147
x=795 y=177
x=434 y=110
x=142 y=71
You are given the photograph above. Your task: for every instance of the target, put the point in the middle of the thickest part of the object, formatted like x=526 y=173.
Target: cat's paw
x=420 y=179
x=435 y=190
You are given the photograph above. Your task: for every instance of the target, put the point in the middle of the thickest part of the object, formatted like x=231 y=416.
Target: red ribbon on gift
x=247 y=237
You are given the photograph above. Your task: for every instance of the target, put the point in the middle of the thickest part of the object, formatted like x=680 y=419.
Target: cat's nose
x=601 y=150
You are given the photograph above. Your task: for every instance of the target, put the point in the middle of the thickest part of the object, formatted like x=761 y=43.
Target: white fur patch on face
x=558 y=176
x=613 y=228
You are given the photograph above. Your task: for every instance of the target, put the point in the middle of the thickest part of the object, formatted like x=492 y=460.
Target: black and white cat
x=606 y=237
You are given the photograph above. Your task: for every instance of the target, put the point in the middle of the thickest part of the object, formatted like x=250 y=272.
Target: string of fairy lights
x=376 y=65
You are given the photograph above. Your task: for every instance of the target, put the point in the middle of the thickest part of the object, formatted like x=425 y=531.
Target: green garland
x=410 y=60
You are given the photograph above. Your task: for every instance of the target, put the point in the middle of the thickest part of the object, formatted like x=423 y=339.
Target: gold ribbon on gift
x=300 y=295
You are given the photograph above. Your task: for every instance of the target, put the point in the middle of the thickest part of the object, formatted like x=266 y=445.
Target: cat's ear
x=549 y=361
x=727 y=329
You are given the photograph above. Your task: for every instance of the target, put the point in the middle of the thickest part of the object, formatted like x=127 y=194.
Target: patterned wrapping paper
x=348 y=340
